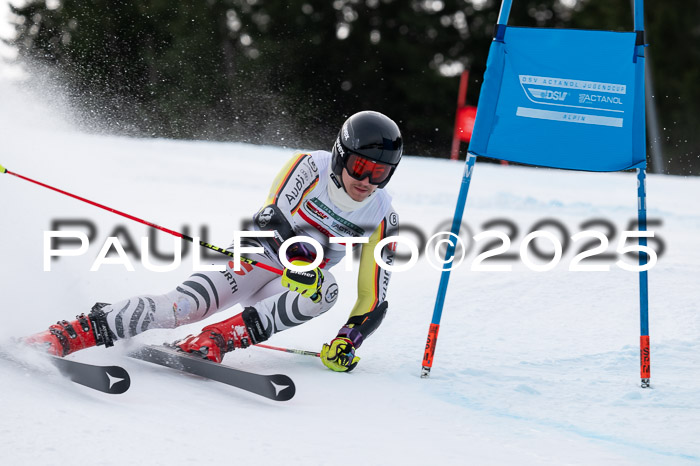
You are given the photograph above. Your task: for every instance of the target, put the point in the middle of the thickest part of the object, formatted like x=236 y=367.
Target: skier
x=320 y=195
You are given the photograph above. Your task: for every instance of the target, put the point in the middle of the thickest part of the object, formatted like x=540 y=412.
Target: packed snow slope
x=530 y=368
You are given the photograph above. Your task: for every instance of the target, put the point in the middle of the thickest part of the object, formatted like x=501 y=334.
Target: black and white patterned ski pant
x=206 y=293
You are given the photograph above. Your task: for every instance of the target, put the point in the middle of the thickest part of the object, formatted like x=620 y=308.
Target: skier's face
x=359 y=190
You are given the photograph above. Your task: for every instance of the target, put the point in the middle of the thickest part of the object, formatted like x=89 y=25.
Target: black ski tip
x=276 y=387
x=283 y=386
x=119 y=380
x=114 y=380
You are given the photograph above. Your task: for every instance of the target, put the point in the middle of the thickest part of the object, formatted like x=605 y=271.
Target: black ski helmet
x=370 y=135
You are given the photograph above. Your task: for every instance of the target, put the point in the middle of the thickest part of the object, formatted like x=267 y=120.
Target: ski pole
x=153 y=225
x=289 y=350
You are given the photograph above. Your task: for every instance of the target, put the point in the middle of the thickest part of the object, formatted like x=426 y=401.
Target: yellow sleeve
x=293 y=183
x=372 y=280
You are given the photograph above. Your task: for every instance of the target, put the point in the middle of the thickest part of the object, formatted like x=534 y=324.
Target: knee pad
x=329 y=292
x=289 y=309
x=184 y=308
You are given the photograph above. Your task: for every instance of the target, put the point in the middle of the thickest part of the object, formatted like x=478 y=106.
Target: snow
x=531 y=367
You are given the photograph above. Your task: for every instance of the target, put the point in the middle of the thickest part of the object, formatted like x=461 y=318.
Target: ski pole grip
x=3 y=169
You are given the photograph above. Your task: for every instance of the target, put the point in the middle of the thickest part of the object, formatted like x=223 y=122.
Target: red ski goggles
x=360 y=168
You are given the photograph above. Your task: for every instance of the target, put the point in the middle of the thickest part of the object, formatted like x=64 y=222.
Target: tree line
x=288 y=73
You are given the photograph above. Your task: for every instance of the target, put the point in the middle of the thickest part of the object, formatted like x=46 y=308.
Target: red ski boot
x=66 y=337
x=240 y=331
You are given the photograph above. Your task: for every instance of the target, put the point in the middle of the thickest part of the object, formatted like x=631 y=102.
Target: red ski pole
x=153 y=225
x=289 y=350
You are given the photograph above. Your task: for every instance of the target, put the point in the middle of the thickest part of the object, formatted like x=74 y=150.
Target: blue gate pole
x=447 y=267
x=644 y=350
x=505 y=12
x=456 y=223
x=639 y=145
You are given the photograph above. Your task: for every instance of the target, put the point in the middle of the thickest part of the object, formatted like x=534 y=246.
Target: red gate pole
x=461 y=100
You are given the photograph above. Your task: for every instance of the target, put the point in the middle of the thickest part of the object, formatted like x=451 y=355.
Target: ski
x=114 y=380
x=276 y=387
